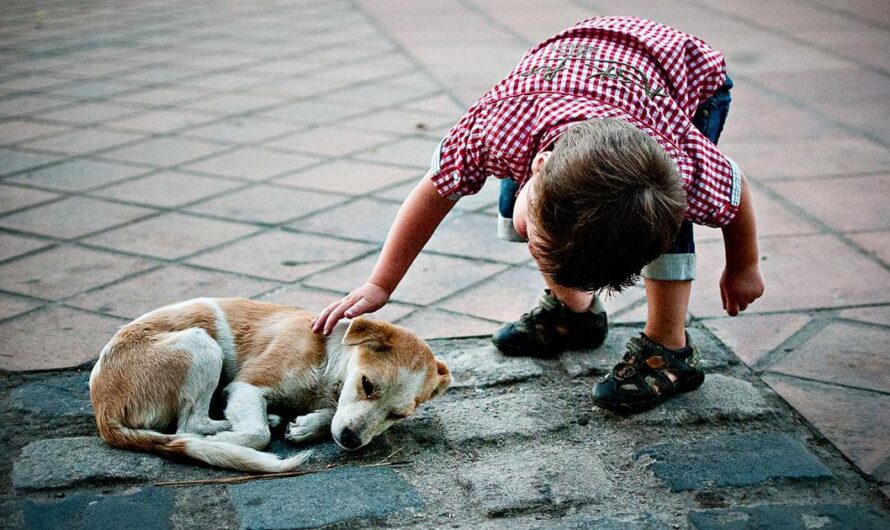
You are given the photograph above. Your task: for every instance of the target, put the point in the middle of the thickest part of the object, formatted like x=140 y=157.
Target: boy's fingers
x=358 y=308
x=732 y=309
x=336 y=315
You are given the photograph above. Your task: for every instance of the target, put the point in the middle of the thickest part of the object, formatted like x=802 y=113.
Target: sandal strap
x=646 y=365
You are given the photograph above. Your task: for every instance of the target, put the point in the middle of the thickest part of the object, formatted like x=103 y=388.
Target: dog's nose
x=349 y=439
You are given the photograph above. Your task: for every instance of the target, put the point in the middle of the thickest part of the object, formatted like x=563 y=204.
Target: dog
x=152 y=385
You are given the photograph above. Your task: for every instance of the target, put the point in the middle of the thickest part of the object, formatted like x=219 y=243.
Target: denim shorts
x=678 y=263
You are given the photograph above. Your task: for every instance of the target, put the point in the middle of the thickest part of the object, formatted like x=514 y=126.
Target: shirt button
x=455 y=176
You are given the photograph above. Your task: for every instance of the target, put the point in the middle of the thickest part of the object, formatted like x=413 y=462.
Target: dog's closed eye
x=367 y=386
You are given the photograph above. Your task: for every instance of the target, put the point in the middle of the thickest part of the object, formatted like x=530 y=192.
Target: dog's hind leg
x=200 y=383
x=246 y=409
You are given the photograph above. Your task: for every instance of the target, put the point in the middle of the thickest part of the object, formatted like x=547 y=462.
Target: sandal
x=641 y=382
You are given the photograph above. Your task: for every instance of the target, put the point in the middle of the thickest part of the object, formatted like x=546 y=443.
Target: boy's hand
x=740 y=287
x=365 y=299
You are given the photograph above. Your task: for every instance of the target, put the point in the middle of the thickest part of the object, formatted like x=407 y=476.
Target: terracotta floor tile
x=234 y=103
x=14 y=245
x=842 y=353
x=773 y=219
x=429 y=279
x=296 y=295
x=347 y=176
x=159 y=121
x=802 y=272
x=240 y=130
x=266 y=204
x=314 y=111
x=864 y=436
x=163 y=152
x=397 y=121
x=875 y=315
x=331 y=140
x=443 y=105
x=78 y=175
x=171 y=235
x=753 y=336
x=434 y=324
x=167 y=189
x=830 y=200
x=877 y=243
x=11 y=305
x=504 y=297
x=364 y=219
x=282 y=256
x=167 y=285
x=474 y=235
x=82 y=141
x=73 y=217
x=799 y=158
x=16 y=198
x=621 y=302
x=415 y=152
x=67 y=338
x=252 y=163
x=16 y=131
x=63 y=271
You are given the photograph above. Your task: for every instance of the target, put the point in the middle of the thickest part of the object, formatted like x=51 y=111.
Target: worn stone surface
x=484 y=366
x=554 y=475
x=61 y=462
x=720 y=398
x=62 y=395
x=333 y=497
x=498 y=417
x=140 y=509
x=733 y=460
x=822 y=516
x=588 y=522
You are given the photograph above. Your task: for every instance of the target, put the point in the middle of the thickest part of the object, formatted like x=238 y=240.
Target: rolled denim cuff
x=506 y=230
x=671 y=267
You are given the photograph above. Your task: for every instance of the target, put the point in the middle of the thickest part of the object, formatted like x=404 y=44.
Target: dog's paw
x=309 y=427
x=274 y=420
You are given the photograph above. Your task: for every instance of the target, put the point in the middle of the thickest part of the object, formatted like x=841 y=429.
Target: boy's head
x=607 y=201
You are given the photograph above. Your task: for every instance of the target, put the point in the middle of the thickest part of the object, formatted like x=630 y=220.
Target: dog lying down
x=159 y=373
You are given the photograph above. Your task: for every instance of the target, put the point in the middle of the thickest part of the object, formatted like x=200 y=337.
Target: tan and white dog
x=152 y=385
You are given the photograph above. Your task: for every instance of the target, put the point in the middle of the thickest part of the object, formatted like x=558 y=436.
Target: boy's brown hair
x=608 y=201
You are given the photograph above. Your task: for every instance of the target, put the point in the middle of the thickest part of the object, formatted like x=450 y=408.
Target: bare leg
x=576 y=301
x=668 y=303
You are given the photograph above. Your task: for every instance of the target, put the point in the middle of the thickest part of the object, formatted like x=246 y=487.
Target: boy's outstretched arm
x=416 y=221
x=741 y=282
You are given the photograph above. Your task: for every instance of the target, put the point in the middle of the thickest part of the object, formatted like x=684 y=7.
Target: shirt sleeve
x=712 y=181
x=458 y=166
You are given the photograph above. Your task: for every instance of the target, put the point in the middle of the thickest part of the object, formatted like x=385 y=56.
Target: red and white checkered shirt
x=648 y=74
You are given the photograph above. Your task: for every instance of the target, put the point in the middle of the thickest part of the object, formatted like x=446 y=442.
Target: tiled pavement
x=155 y=152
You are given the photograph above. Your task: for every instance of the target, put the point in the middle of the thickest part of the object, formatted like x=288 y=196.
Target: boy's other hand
x=740 y=287
x=365 y=299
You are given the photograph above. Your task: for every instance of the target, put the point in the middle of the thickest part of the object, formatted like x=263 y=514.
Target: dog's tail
x=215 y=453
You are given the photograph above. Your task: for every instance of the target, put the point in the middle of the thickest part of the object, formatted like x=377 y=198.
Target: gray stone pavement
x=154 y=152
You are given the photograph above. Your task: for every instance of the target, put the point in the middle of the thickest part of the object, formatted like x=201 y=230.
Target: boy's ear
x=444 y=378
x=362 y=330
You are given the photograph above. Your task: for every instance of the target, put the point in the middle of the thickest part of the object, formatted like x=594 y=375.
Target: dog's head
x=390 y=373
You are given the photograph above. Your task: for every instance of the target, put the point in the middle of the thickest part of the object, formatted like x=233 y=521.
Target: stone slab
x=720 y=398
x=62 y=462
x=484 y=366
x=64 y=395
x=339 y=496
x=504 y=416
x=548 y=476
x=732 y=460
x=821 y=516
x=588 y=522
x=141 y=509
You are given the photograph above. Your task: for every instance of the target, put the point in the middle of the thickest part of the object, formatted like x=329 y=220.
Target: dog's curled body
x=153 y=383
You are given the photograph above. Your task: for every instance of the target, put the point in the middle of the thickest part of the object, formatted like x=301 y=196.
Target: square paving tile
x=167 y=285
x=163 y=95
x=241 y=130
x=252 y=163
x=14 y=245
x=842 y=353
x=12 y=305
x=436 y=324
x=314 y=111
x=164 y=152
x=474 y=235
x=830 y=200
x=92 y=88
x=15 y=131
x=429 y=279
x=331 y=140
x=280 y=255
x=171 y=236
x=875 y=315
x=13 y=161
x=63 y=271
x=26 y=105
x=877 y=243
x=16 y=198
x=88 y=113
x=801 y=272
x=235 y=103
x=773 y=219
x=73 y=217
x=799 y=158
x=443 y=105
x=347 y=176
x=503 y=298
x=78 y=175
x=365 y=219
x=415 y=152
x=81 y=141
x=68 y=338
x=159 y=121
x=266 y=204
x=751 y=337
x=167 y=189
x=863 y=436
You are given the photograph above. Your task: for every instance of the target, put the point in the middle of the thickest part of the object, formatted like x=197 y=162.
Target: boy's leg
x=666 y=317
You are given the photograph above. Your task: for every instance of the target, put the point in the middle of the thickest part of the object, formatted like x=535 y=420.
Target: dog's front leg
x=310 y=426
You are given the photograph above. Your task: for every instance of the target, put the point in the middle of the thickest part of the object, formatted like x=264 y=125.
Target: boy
x=608 y=131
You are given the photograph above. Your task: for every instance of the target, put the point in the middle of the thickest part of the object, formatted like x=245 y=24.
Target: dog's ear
x=444 y=375
x=369 y=332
